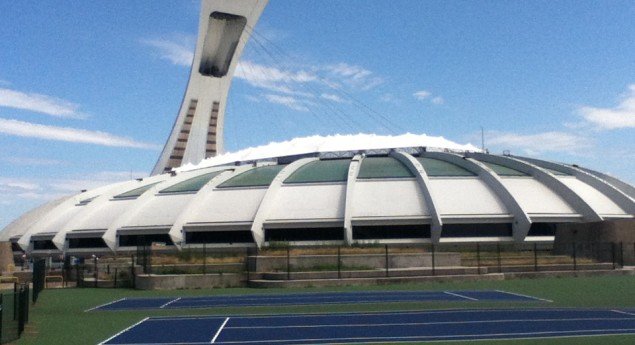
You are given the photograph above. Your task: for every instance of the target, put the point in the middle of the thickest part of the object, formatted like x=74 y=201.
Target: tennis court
x=393 y=327
x=313 y=299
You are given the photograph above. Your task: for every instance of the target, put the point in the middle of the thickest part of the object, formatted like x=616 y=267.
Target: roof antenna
x=482 y=140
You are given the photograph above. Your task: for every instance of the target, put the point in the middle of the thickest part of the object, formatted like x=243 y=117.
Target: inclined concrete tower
x=224 y=28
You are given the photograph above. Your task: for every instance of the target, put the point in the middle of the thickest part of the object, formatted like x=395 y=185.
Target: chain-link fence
x=14 y=313
x=105 y=272
x=281 y=261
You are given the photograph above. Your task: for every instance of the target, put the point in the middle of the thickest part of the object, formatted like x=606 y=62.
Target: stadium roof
x=416 y=194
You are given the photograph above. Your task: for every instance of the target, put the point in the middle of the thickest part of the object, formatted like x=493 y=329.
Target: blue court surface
x=254 y=300
x=392 y=327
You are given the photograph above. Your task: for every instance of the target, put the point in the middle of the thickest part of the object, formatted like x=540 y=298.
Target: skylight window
x=135 y=193
x=257 y=177
x=335 y=170
x=383 y=167
x=86 y=201
x=503 y=170
x=436 y=167
x=192 y=185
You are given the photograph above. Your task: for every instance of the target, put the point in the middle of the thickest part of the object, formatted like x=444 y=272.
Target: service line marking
x=460 y=296
x=219 y=330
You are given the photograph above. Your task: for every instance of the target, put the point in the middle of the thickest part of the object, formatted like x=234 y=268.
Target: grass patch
x=59 y=316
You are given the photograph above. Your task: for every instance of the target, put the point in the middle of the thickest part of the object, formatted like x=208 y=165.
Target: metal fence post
x=247 y=266
x=288 y=263
x=535 y=257
x=1 y=306
x=433 y=261
x=498 y=257
x=23 y=308
x=256 y=260
x=339 y=263
x=133 y=273
x=386 y=259
x=478 y=257
x=116 y=277
x=204 y=258
x=575 y=263
x=621 y=254
x=96 y=274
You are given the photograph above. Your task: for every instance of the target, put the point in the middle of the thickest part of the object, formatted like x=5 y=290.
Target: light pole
x=95 y=258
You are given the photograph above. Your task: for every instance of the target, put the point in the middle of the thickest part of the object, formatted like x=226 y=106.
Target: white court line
x=104 y=305
x=219 y=330
x=463 y=338
x=623 y=312
x=460 y=296
x=525 y=296
x=170 y=302
x=125 y=330
x=432 y=323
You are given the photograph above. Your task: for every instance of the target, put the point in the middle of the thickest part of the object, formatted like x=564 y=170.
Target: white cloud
x=354 y=76
x=299 y=88
x=32 y=161
x=287 y=101
x=32 y=130
x=425 y=95
x=332 y=97
x=620 y=116
x=177 y=50
x=422 y=95
x=272 y=78
x=18 y=185
x=40 y=103
x=539 y=142
x=47 y=188
x=330 y=76
x=438 y=100
x=72 y=186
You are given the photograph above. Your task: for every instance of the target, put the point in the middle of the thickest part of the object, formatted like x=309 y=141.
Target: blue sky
x=89 y=90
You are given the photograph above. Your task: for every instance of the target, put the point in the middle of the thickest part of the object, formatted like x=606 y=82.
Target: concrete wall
x=369 y=261
x=591 y=236
x=6 y=257
x=608 y=231
x=188 y=281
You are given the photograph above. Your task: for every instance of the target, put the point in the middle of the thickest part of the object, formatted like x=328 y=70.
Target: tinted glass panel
x=435 y=167
x=312 y=234
x=477 y=230
x=321 y=171
x=503 y=170
x=391 y=232
x=89 y=242
x=257 y=177
x=542 y=229
x=383 y=167
x=135 y=193
x=192 y=185
x=228 y=237
x=44 y=245
x=144 y=240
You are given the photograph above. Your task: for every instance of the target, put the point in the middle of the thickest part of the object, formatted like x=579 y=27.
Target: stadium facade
x=421 y=192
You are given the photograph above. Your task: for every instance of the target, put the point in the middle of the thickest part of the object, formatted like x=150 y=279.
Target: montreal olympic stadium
x=400 y=190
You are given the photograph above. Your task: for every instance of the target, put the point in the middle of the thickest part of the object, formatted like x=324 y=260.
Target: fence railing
x=290 y=262
x=285 y=262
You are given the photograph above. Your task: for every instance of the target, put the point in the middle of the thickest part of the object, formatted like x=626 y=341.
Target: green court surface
x=60 y=316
